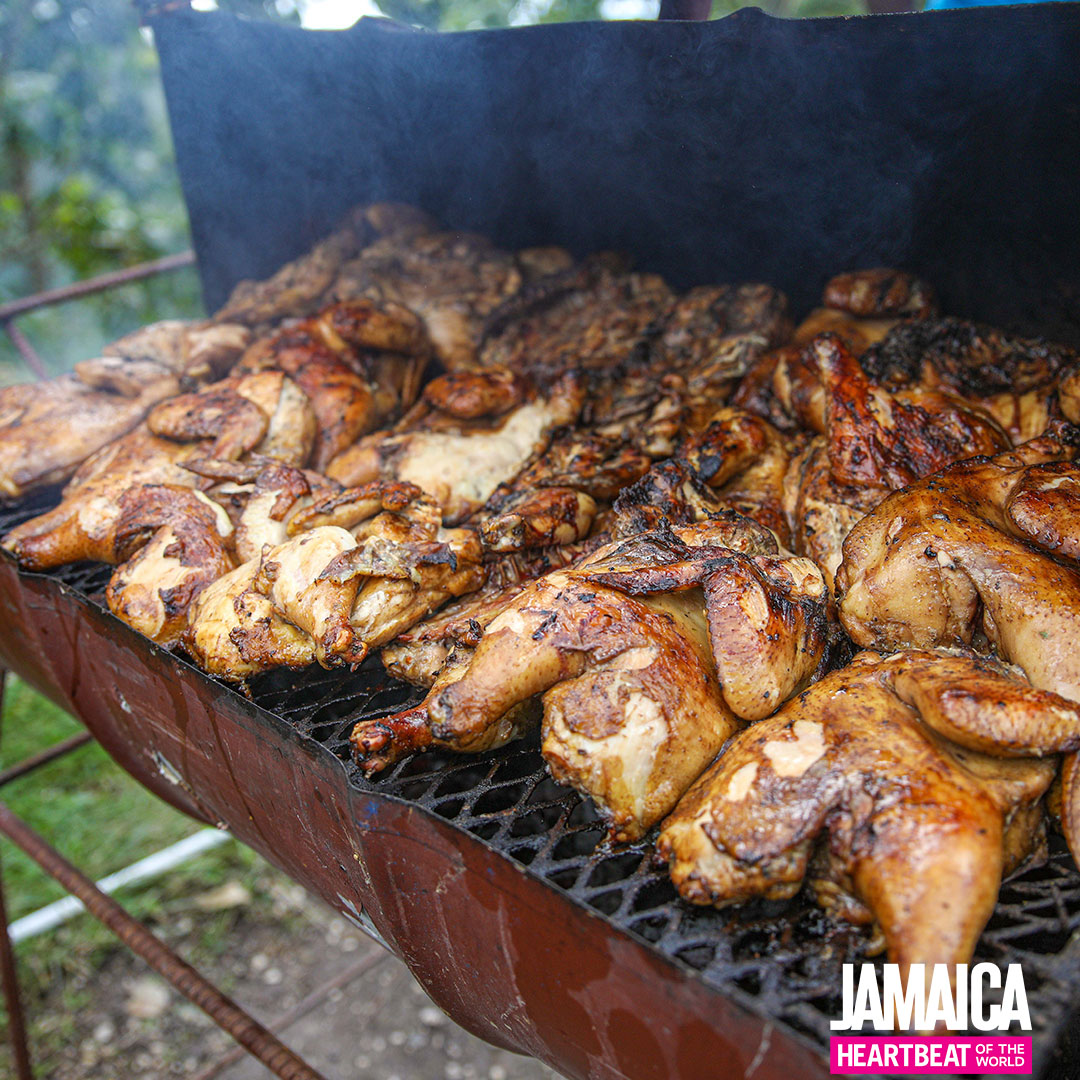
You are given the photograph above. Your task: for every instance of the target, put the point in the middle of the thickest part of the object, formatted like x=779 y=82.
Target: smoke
x=744 y=149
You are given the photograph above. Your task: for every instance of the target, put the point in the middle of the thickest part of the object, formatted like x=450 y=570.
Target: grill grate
x=782 y=960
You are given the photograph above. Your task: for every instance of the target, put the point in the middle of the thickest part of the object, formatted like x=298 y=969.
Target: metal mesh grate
x=780 y=959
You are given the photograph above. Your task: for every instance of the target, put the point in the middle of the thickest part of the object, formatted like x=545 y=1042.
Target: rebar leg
x=9 y=974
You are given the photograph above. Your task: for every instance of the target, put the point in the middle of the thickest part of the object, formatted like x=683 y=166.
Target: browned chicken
x=301 y=286
x=418 y=654
x=985 y=550
x=851 y=789
x=361 y=566
x=1013 y=379
x=179 y=542
x=633 y=704
x=83 y=525
x=453 y=281
x=861 y=308
x=263 y=412
x=469 y=433
x=715 y=333
x=358 y=363
x=745 y=460
x=874 y=442
x=48 y=429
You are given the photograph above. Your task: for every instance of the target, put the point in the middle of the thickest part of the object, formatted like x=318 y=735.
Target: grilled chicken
x=453 y=281
x=361 y=566
x=83 y=525
x=358 y=364
x=875 y=442
x=420 y=653
x=300 y=287
x=745 y=460
x=48 y=429
x=987 y=546
x=633 y=705
x=1013 y=379
x=850 y=788
x=179 y=539
x=262 y=412
x=234 y=631
x=470 y=432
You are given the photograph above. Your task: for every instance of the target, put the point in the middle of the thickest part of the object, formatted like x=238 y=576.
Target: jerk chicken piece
x=263 y=411
x=48 y=429
x=234 y=631
x=597 y=323
x=469 y=432
x=358 y=363
x=179 y=542
x=633 y=703
x=874 y=443
x=362 y=565
x=452 y=280
x=745 y=460
x=860 y=308
x=83 y=525
x=986 y=549
x=421 y=652
x=851 y=788
x=299 y=288
x=1014 y=379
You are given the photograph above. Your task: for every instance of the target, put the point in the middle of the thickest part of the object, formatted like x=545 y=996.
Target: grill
x=781 y=960
x=747 y=149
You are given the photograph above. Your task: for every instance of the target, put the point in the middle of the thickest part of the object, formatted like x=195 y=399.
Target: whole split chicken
x=361 y=566
x=899 y=789
x=648 y=653
x=48 y=429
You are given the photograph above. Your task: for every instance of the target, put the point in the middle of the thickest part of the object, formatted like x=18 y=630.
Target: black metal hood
x=750 y=148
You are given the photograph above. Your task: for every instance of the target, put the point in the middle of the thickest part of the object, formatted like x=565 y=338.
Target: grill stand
x=248 y=1032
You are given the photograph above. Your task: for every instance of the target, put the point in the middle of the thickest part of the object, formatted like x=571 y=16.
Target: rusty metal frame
x=248 y=1033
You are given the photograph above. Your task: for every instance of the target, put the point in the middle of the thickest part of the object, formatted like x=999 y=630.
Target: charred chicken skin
x=875 y=442
x=851 y=789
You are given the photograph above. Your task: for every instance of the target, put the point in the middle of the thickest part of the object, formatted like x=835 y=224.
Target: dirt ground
x=379 y=1026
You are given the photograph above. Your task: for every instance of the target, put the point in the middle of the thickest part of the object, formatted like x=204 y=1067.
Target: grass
x=101 y=820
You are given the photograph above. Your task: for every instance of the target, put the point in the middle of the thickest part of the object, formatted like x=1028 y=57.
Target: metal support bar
x=16 y=1018
x=247 y=1031
x=93 y=285
x=25 y=349
x=43 y=757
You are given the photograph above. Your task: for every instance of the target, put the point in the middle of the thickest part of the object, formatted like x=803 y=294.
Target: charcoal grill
x=745 y=149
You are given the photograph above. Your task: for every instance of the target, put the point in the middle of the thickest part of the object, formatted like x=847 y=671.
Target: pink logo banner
x=902 y=1055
